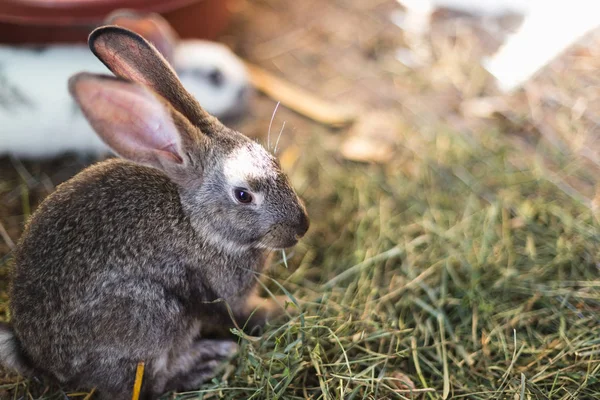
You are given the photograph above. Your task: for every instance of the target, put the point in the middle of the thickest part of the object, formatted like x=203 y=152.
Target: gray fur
x=12 y=355
x=11 y=96
x=124 y=262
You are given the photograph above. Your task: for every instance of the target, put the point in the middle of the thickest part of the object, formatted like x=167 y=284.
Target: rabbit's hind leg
x=199 y=363
x=113 y=379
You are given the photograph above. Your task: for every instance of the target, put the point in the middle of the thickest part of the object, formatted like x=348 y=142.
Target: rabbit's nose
x=302 y=226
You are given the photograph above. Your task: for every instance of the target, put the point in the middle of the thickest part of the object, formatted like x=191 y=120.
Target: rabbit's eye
x=243 y=196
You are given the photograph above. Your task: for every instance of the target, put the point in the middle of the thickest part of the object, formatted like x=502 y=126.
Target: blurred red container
x=65 y=21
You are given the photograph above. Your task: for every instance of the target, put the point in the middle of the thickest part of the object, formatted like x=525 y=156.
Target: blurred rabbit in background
x=39 y=119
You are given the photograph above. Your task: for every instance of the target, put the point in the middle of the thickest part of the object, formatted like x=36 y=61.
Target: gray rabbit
x=124 y=262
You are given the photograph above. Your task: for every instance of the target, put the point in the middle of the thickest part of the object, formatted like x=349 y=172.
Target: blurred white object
x=418 y=12
x=548 y=29
x=415 y=20
x=38 y=117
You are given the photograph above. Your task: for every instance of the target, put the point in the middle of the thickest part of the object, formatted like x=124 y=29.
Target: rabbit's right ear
x=135 y=122
x=130 y=56
x=152 y=26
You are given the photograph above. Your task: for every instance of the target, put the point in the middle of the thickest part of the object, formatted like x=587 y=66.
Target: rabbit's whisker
x=279 y=137
x=270 y=125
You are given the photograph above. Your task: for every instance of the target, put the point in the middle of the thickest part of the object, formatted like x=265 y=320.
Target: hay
x=467 y=266
x=451 y=267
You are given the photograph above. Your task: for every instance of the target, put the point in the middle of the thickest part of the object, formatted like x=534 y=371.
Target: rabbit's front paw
x=258 y=311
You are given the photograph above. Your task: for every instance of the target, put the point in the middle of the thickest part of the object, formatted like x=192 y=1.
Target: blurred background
x=449 y=155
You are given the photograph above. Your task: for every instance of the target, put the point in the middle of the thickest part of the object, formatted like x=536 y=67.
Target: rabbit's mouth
x=273 y=241
x=289 y=243
x=279 y=246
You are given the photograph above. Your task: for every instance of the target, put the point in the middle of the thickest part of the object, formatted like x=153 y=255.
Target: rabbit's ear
x=130 y=56
x=135 y=122
x=151 y=26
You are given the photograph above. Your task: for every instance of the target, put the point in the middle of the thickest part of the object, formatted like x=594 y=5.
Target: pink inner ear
x=130 y=119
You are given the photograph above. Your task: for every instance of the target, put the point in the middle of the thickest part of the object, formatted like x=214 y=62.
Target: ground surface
x=465 y=264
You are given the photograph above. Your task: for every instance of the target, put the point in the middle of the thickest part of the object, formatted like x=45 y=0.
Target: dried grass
x=465 y=267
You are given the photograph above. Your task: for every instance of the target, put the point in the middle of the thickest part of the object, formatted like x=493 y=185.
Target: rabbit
x=38 y=118
x=126 y=261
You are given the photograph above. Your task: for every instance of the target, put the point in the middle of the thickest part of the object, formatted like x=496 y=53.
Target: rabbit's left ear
x=135 y=122
x=130 y=56
x=151 y=26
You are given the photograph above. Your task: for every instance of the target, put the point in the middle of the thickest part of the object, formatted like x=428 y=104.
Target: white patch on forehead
x=248 y=162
